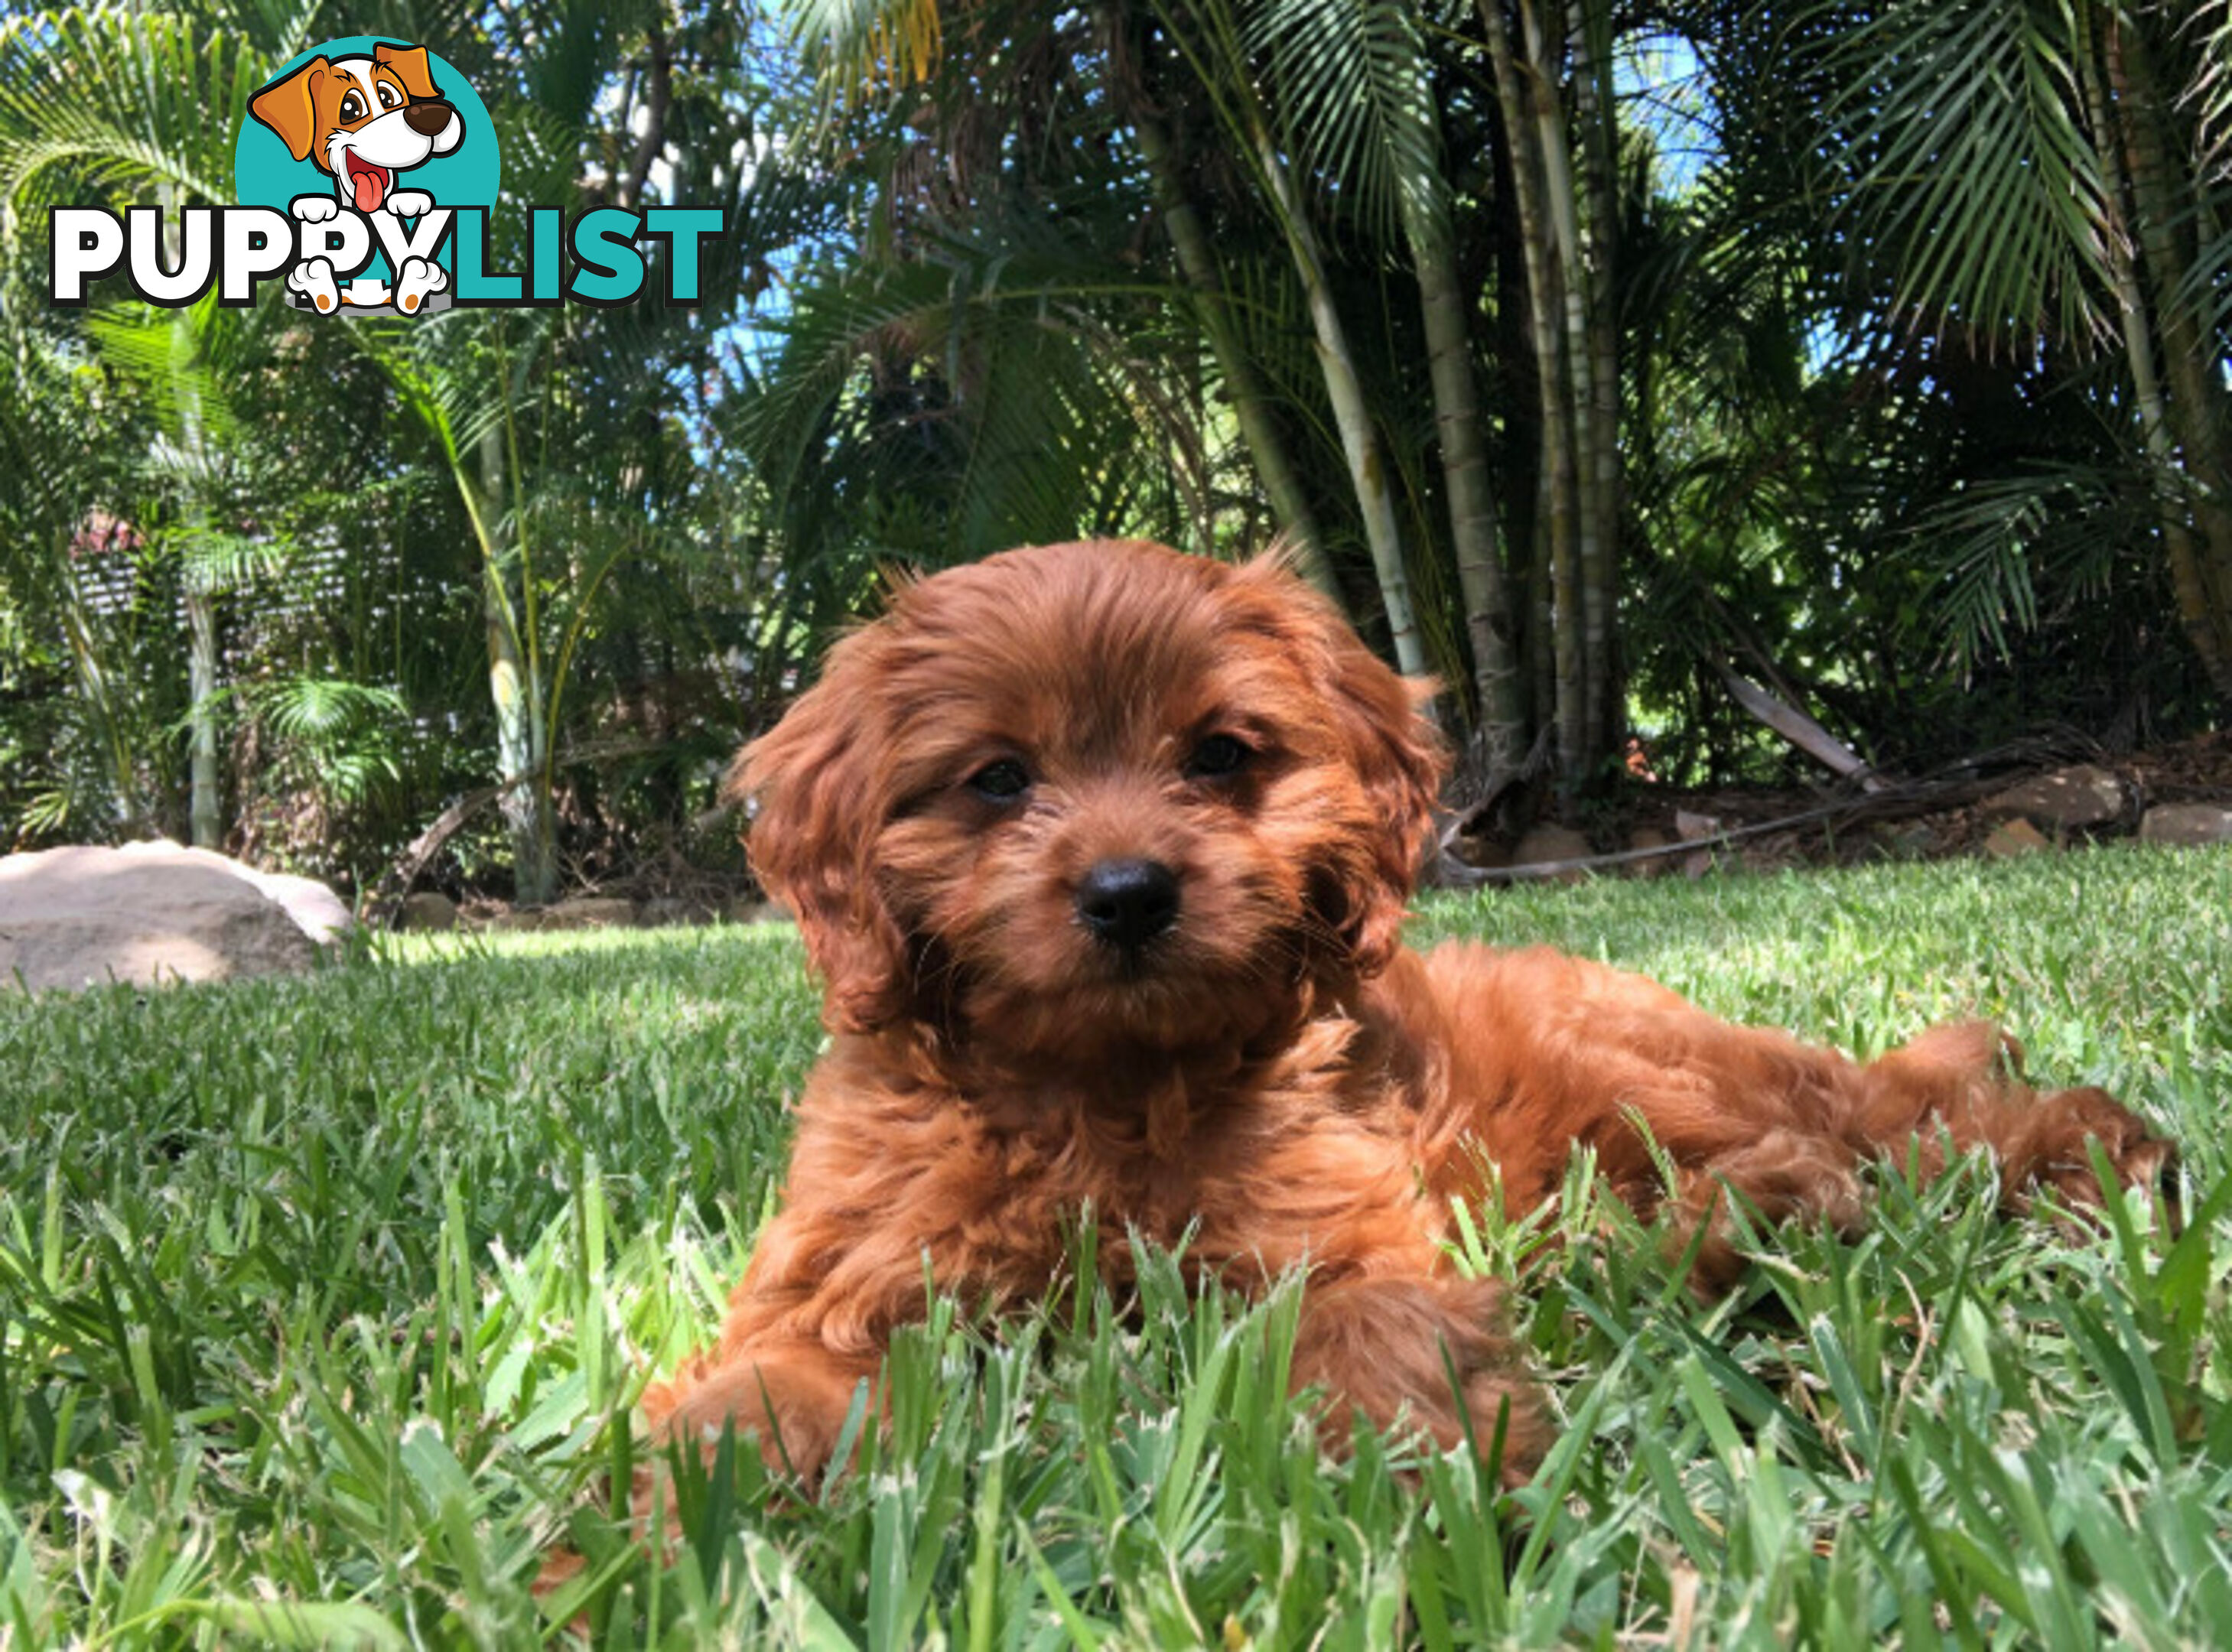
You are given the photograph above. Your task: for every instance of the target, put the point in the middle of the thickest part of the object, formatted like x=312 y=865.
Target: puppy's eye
x=352 y=107
x=389 y=97
x=1218 y=756
x=1000 y=782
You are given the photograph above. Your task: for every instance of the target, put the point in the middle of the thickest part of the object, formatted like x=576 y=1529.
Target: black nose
x=1128 y=902
x=428 y=116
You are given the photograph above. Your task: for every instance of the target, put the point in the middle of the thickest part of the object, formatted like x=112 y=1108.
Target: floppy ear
x=817 y=777
x=289 y=107
x=1394 y=753
x=409 y=63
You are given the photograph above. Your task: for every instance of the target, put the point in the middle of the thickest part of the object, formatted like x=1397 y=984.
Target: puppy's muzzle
x=1127 y=903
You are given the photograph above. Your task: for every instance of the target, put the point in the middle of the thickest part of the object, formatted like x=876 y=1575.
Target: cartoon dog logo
x=363 y=121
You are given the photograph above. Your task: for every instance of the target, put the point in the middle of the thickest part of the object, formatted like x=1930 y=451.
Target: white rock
x=152 y=912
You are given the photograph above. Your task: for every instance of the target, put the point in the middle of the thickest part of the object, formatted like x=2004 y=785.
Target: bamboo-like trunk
x=1359 y=442
x=204 y=812
x=204 y=815
x=1562 y=219
x=520 y=747
x=2196 y=407
x=1546 y=307
x=1470 y=486
x=1251 y=404
x=2188 y=585
x=1604 y=491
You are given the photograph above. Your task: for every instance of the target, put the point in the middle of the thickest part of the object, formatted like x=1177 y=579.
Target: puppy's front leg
x=809 y=1324
x=1388 y=1348
x=792 y=1397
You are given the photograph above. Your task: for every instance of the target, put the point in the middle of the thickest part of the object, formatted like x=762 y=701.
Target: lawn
x=320 y=1299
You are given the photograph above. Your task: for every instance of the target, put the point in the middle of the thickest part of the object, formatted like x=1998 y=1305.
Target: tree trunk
x=1604 y=491
x=2196 y=403
x=2188 y=585
x=1251 y=405
x=1545 y=307
x=1367 y=470
x=521 y=747
x=1467 y=478
x=1561 y=220
x=203 y=812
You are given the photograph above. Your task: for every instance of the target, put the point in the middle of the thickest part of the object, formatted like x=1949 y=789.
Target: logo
x=367 y=172
x=335 y=132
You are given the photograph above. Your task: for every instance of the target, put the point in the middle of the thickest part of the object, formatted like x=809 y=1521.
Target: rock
x=1647 y=836
x=2189 y=824
x=316 y=910
x=2013 y=837
x=1713 y=857
x=2069 y=799
x=152 y=912
x=1483 y=853
x=1910 y=840
x=742 y=910
x=429 y=908
x=1547 y=843
x=589 y=912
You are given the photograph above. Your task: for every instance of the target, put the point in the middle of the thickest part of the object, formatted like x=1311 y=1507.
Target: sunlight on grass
x=319 y=1298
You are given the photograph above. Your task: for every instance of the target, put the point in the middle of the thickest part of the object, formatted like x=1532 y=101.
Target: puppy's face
x=1094 y=797
x=362 y=119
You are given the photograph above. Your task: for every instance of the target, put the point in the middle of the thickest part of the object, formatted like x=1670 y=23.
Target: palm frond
x=869 y=45
x=1989 y=547
x=112 y=101
x=1968 y=173
x=1353 y=99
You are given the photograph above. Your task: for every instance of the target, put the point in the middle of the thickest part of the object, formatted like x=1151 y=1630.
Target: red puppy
x=1102 y=852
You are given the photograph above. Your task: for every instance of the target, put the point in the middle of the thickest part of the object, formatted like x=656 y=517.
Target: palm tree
x=2036 y=180
x=1358 y=102
x=114 y=100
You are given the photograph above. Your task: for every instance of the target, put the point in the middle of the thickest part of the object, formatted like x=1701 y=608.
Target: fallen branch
x=1801 y=730
x=384 y=900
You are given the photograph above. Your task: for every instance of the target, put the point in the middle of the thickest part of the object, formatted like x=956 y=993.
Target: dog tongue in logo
x=367 y=183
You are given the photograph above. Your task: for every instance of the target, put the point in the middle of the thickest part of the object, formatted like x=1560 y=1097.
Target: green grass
x=319 y=1299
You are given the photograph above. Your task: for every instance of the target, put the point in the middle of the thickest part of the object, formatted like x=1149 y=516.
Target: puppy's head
x=362 y=119
x=1094 y=797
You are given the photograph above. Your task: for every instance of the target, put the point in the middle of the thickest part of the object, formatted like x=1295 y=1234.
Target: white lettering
x=243 y=260
x=87 y=242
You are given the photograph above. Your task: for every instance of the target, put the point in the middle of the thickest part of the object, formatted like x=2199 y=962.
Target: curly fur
x=1275 y=1071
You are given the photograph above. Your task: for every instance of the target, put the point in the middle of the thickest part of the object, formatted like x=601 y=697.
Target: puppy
x=361 y=120
x=1102 y=852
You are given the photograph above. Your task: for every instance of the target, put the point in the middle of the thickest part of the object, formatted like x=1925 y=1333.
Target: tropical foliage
x=1591 y=355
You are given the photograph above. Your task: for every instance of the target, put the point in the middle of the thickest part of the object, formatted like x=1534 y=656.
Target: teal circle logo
x=385 y=131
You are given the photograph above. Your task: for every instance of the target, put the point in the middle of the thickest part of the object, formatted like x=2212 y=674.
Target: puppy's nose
x=1128 y=902
x=428 y=118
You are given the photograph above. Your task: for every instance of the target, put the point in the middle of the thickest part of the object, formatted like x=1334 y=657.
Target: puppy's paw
x=420 y=277
x=314 y=209
x=409 y=204
x=314 y=279
x=1387 y=1348
x=792 y=1400
x=2071 y=1121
